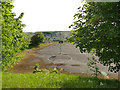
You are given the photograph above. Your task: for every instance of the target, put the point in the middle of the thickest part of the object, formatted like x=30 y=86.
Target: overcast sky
x=46 y=15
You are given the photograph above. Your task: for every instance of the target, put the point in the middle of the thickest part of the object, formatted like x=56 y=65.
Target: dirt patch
x=29 y=60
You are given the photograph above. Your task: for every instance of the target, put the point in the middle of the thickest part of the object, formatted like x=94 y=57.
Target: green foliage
x=13 y=38
x=97 y=27
x=46 y=33
x=0 y=38
x=53 y=70
x=71 y=39
x=26 y=41
x=93 y=66
x=36 y=69
x=37 y=38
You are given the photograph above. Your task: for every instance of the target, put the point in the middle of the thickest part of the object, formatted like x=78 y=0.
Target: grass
x=52 y=80
x=0 y=80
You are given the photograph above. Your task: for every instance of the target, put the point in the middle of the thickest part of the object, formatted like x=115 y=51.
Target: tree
x=96 y=26
x=0 y=37
x=26 y=41
x=13 y=37
x=37 y=38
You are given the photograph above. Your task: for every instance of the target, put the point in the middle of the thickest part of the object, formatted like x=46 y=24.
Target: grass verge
x=52 y=80
x=41 y=45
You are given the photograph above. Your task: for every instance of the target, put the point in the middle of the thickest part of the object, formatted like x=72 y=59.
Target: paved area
x=70 y=59
x=48 y=56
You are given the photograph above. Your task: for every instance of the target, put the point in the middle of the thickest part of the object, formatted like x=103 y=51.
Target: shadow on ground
x=85 y=82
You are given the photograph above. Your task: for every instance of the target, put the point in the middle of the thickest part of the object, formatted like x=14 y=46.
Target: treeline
x=13 y=38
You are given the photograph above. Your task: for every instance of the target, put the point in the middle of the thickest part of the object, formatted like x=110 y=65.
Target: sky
x=46 y=15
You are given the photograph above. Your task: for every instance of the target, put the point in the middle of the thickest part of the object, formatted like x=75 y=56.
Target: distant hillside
x=57 y=35
x=54 y=35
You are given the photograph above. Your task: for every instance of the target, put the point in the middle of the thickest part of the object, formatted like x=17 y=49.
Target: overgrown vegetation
x=96 y=26
x=37 y=70
x=53 y=80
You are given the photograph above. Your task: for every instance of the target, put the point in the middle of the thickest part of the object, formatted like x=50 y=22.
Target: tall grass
x=52 y=80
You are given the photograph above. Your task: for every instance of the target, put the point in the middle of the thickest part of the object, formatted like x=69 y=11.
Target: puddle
x=60 y=64
x=60 y=57
x=75 y=65
x=52 y=56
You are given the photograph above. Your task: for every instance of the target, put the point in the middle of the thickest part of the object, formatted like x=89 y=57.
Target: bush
x=37 y=38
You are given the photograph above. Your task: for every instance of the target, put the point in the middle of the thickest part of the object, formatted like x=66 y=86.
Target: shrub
x=37 y=38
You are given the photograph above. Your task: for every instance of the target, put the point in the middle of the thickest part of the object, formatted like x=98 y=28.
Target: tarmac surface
x=71 y=59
